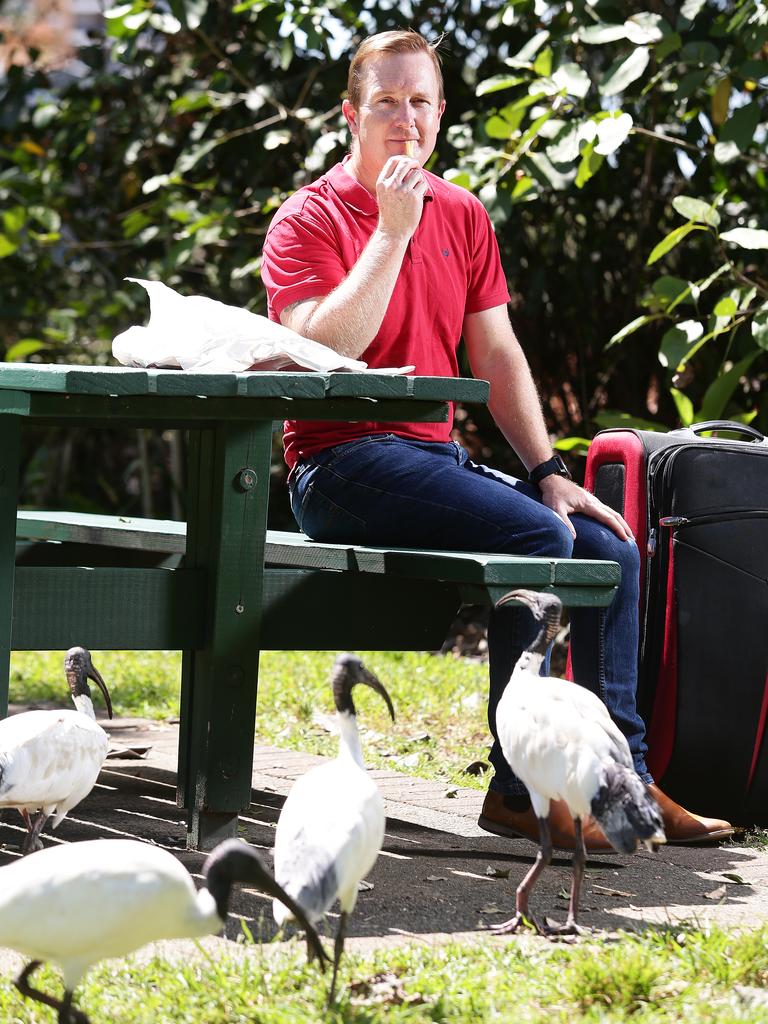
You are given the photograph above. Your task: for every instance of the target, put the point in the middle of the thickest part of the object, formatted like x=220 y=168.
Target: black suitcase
x=699 y=509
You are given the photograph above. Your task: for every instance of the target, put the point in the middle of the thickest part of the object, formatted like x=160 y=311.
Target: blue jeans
x=384 y=490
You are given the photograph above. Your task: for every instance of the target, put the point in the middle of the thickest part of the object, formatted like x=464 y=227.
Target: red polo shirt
x=451 y=268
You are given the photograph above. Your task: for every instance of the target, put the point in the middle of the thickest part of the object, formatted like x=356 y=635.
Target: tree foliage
x=620 y=149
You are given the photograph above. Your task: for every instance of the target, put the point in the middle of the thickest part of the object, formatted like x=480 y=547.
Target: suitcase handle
x=734 y=428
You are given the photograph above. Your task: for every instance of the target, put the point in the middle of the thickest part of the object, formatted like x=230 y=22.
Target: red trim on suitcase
x=626 y=448
x=759 y=734
x=661 y=734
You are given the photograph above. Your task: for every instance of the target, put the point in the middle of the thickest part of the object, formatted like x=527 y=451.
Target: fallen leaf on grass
x=716 y=894
x=419 y=737
x=494 y=872
x=407 y=760
x=384 y=988
x=134 y=753
x=612 y=892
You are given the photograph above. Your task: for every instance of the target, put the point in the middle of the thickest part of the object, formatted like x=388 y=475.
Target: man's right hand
x=400 y=190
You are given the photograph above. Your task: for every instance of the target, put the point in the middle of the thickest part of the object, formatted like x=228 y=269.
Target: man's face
x=399 y=100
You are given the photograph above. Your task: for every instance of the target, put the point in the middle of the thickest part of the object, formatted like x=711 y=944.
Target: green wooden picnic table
x=220 y=606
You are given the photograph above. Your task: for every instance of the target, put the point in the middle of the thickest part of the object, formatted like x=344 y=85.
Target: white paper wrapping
x=193 y=332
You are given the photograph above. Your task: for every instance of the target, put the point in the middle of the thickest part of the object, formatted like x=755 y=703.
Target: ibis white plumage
x=331 y=827
x=559 y=738
x=79 y=903
x=50 y=760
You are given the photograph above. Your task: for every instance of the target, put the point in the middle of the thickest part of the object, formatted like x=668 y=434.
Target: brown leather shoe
x=498 y=817
x=683 y=826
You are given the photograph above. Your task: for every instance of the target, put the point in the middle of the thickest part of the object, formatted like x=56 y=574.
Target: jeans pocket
x=322 y=519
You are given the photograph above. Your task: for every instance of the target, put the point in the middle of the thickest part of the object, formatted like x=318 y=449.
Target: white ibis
x=331 y=827
x=50 y=760
x=559 y=738
x=76 y=904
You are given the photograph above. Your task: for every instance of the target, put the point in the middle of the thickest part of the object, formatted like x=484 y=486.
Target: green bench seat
x=316 y=596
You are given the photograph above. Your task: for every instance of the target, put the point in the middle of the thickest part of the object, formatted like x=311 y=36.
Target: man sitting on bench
x=382 y=260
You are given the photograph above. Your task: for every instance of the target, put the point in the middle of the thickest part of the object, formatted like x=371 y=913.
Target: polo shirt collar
x=353 y=194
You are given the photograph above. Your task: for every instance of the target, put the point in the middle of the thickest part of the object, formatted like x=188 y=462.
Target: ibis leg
x=69 y=1014
x=31 y=841
x=543 y=857
x=23 y=985
x=338 y=949
x=571 y=926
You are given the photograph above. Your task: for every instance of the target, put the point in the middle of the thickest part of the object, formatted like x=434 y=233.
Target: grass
x=689 y=975
x=440 y=703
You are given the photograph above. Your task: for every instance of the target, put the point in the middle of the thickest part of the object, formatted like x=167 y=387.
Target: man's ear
x=350 y=116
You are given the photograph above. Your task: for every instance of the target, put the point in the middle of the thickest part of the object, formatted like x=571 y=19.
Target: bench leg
x=10 y=432
x=228 y=498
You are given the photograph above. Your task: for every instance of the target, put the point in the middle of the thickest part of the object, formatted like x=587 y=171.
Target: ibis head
x=348 y=671
x=232 y=861
x=79 y=668
x=546 y=610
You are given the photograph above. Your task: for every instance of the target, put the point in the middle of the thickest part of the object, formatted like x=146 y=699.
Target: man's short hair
x=401 y=41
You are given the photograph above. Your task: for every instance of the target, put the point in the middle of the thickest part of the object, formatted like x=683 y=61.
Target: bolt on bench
x=222 y=587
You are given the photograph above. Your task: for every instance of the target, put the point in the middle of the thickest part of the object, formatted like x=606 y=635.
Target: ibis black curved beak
x=375 y=683
x=234 y=861
x=546 y=609
x=95 y=675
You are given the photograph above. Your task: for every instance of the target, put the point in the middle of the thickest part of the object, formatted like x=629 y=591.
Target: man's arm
x=348 y=319
x=495 y=355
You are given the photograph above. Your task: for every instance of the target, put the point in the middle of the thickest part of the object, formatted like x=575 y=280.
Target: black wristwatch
x=553 y=465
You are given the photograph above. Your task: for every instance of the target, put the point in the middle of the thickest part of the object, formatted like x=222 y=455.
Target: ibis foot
x=517 y=922
x=569 y=927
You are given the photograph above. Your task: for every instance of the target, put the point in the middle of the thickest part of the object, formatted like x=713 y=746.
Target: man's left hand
x=564 y=496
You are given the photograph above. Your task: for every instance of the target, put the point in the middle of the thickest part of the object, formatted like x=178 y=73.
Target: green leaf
x=669 y=292
x=684 y=406
x=23 y=348
x=524 y=56
x=589 y=165
x=671 y=240
x=643 y=28
x=612 y=132
x=574 y=445
x=630 y=328
x=543 y=63
x=601 y=33
x=623 y=73
x=691 y=9
x=740 y=127
x=7 y=247
x=719 y=392
x=498 y=127
x=760 y=327
x=498 y=82
x=696 y=210
x=573 y=79
x=615 y=418
x=746 y=238
x=726 y=307
x=678 y=341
